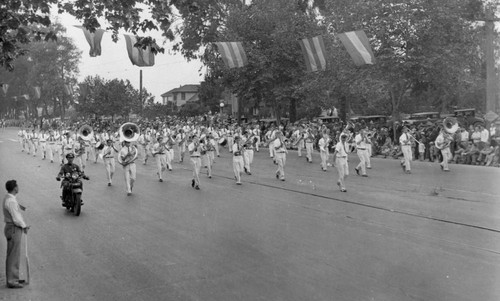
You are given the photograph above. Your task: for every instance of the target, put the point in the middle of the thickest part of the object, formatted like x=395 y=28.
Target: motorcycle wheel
x=77 y=207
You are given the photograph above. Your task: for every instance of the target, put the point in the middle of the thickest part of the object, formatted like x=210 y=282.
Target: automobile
x=467 y=117
x=423 y=117
x=376 y=119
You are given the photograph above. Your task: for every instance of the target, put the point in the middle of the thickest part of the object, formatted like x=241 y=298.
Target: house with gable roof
x=179 y=96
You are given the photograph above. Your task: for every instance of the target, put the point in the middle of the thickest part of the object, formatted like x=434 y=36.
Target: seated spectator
x=459 y=158
x=470 y=154
x=487 y=150
x=492 y=158
x=386 y=149
x=434 y=152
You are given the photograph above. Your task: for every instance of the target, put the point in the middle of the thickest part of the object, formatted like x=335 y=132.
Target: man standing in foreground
x=14 y=228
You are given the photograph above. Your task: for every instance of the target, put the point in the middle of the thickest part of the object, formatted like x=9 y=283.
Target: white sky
x=170 y=70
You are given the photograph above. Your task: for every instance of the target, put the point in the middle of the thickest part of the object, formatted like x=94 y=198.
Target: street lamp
x=221 y=107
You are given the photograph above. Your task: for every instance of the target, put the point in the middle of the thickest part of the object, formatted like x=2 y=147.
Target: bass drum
x=222 y=141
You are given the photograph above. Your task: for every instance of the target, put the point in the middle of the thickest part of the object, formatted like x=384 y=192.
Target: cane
x=27 y=260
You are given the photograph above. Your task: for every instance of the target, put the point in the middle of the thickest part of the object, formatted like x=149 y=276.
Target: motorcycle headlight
x=74 y=176
x=68 y=175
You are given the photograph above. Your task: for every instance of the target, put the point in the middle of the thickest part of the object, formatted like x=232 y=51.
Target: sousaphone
x=86 y=132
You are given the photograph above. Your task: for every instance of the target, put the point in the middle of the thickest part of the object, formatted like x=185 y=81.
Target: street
x=428 y=235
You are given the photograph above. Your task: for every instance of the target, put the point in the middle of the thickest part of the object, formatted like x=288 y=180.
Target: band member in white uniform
x=442 y=142
x=127 y=156
x=170 y=150
x=160 y=154
x=340 y=156
x=248 y=153
x=144 y=141
x=405 y=142
x=68 y=146
x=22 y=139
x=108 y=156
x=210 y=146
x=238 y=162
x=280 y=155
x=51 y=145
x=181 y=144
x=362 y=152
x=323 y=150
x=195 y=153
x=80 y=153
x=43 y=143
x=256 y=133
x=309 y=141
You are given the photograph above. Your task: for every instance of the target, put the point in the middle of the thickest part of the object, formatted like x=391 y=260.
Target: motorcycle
x=72 y=191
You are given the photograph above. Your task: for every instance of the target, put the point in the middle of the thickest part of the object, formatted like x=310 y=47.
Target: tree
x=109 y=98
x=48 y=65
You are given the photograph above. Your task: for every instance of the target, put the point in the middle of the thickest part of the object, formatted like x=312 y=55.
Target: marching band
x=204 y=143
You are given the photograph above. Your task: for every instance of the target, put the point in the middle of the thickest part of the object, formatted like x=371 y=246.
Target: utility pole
x=140 y=88
x=491 y=82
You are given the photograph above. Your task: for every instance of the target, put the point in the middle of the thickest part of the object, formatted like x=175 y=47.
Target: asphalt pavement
x=428 y=235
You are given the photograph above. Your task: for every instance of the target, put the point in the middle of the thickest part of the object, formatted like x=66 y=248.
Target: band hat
x=109 y=140
x=70 y=156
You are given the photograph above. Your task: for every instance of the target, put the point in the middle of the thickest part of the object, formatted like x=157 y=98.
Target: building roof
x=184 y=88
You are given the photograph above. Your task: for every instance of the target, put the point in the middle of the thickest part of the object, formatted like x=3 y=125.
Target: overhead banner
x=232 y=53
x=5 y=88
x=138 y=56
x=358 y=47
x=37 y=92
x=68 y=89
x=314 y=53
x=94 y=40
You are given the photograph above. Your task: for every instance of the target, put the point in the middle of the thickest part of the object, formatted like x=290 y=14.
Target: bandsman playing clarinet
x=160 y=154
x=248 y=153
x=51 y=145
x=443 y=142
x=238 y=162
x=280 y=152
x=108 y=156
x=323 y=150
x=68 y=146
x=361 y=150
x=210 y=146
x=194 y=149
x=340 y=156
x=127 y=156
x=405 y=142
x=309 y=141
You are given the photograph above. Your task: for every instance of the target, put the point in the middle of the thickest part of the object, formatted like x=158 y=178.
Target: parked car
x=375 y=119
x=423 y=117
x=467 y=117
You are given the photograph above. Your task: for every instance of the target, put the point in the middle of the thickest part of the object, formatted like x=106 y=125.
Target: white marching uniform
x=195 y=155
x=405 y=142
x=238 y=162
x=129 y=170
x=323 y=152
x=341 y=163
x=445 y=151
x=108 y=156
x=361 y=150
x=160 y=154
x=280 y=157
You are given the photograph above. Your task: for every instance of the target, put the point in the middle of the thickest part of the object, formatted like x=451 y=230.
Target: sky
x=170 y=70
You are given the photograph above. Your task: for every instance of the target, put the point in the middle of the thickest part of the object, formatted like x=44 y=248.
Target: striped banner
x=5 y=88
x=232 y=54
x=68 y=89
x=138 y=56
x=94 y=40
x=84 y=90
x=358 y=47
x=37 y=92
x=314 y=53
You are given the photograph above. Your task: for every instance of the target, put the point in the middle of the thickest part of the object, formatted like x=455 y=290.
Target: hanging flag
x=138 y=56
x=68 y=89
x=358 y=47
x=5 y=88
x=84 y=90
x=314 y=53
x=94 y=40
x=37 y=92
x=232 y=54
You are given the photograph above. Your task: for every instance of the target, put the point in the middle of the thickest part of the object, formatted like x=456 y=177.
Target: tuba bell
x=450 y=125
x=86 y=132
x=129 y=132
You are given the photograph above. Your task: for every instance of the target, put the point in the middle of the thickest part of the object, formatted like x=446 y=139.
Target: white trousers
x=130 y=173
x=407 y=156
x=343 y=170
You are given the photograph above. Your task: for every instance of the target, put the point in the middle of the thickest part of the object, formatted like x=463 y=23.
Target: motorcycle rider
x=69 y=167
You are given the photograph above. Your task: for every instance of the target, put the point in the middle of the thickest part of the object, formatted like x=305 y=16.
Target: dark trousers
x=14 y=235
